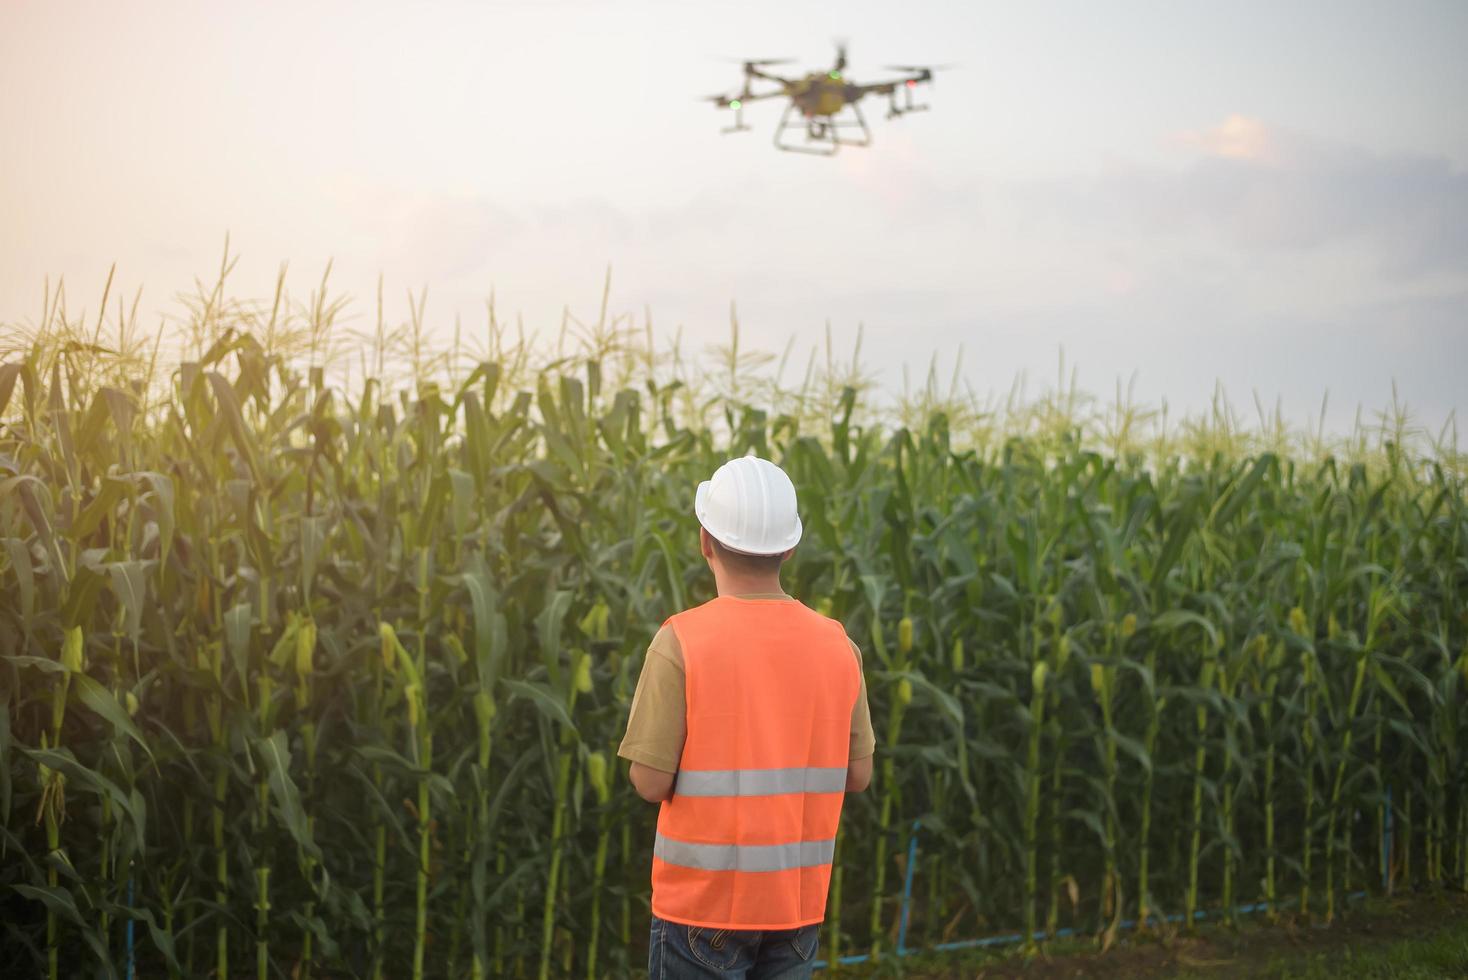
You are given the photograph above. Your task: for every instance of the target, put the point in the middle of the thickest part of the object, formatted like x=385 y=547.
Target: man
x=749 y=723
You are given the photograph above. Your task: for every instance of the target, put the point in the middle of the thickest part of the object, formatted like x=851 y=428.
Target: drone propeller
x=760 y=62
x=915 y=69
x=924 y=73
x=840 y=55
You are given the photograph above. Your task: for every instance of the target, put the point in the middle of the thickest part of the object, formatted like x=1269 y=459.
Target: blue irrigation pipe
x=1013 y=938
x=907 y=888
x=1386 y=845
x=1010 y=939
x=131 y=970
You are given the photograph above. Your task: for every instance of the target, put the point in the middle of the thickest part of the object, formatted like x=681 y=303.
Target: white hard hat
x=749 y=506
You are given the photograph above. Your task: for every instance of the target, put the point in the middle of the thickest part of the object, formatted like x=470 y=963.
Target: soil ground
x=1414 y=936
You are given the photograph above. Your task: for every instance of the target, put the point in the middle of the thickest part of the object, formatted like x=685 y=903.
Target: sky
x=1271 y=197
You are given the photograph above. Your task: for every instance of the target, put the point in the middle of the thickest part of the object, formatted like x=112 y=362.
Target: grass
x=1444 y=954
x=1440 y=951
x=1422 y=937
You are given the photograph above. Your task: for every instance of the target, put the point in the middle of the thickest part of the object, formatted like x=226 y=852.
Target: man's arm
x=654 y=785
x=863 y=738
x=656 y=724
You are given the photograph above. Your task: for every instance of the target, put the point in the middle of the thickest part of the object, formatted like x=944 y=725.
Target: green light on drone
x=734 y=103
x=836 y=76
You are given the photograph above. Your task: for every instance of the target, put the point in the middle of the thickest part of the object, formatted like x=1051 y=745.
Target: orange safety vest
x=746 y=840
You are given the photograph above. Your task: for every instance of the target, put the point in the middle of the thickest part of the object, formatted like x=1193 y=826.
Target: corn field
x=303 y=676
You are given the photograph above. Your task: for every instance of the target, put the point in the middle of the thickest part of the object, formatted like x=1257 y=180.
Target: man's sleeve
x=863 y=739
x=657 y=724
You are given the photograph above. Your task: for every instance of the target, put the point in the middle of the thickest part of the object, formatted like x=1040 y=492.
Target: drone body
x=819 y=102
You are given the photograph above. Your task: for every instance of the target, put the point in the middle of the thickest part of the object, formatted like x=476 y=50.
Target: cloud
x=419 y=234
x=1256 y=232
x=1261 y=187
x=1236 y=138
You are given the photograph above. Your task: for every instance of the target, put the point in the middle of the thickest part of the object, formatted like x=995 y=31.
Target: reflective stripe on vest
x=760 y=782
x=744 y=857
x=747 y=838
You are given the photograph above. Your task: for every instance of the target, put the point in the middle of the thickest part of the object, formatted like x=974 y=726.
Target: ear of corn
x=309 y=670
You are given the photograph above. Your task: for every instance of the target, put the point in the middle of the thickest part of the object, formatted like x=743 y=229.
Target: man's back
x=746 y=840
x=748 y=725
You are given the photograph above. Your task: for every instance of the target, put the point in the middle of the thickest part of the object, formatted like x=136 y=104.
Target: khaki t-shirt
x=657 y=724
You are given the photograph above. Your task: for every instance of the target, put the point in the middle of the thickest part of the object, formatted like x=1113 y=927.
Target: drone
x=821 y=99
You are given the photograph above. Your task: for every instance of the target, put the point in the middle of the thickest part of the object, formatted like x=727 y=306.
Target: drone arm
x=892 y=84
x=755 y=72
x=760 y=96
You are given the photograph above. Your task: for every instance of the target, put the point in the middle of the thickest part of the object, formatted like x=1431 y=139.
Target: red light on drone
x=912 y=83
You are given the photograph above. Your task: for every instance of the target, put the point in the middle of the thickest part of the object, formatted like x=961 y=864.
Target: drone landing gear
x=824 y=135
x=739 y=126
x=894 y=109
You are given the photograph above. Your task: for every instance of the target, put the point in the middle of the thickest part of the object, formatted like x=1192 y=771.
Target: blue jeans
x=679 y=952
